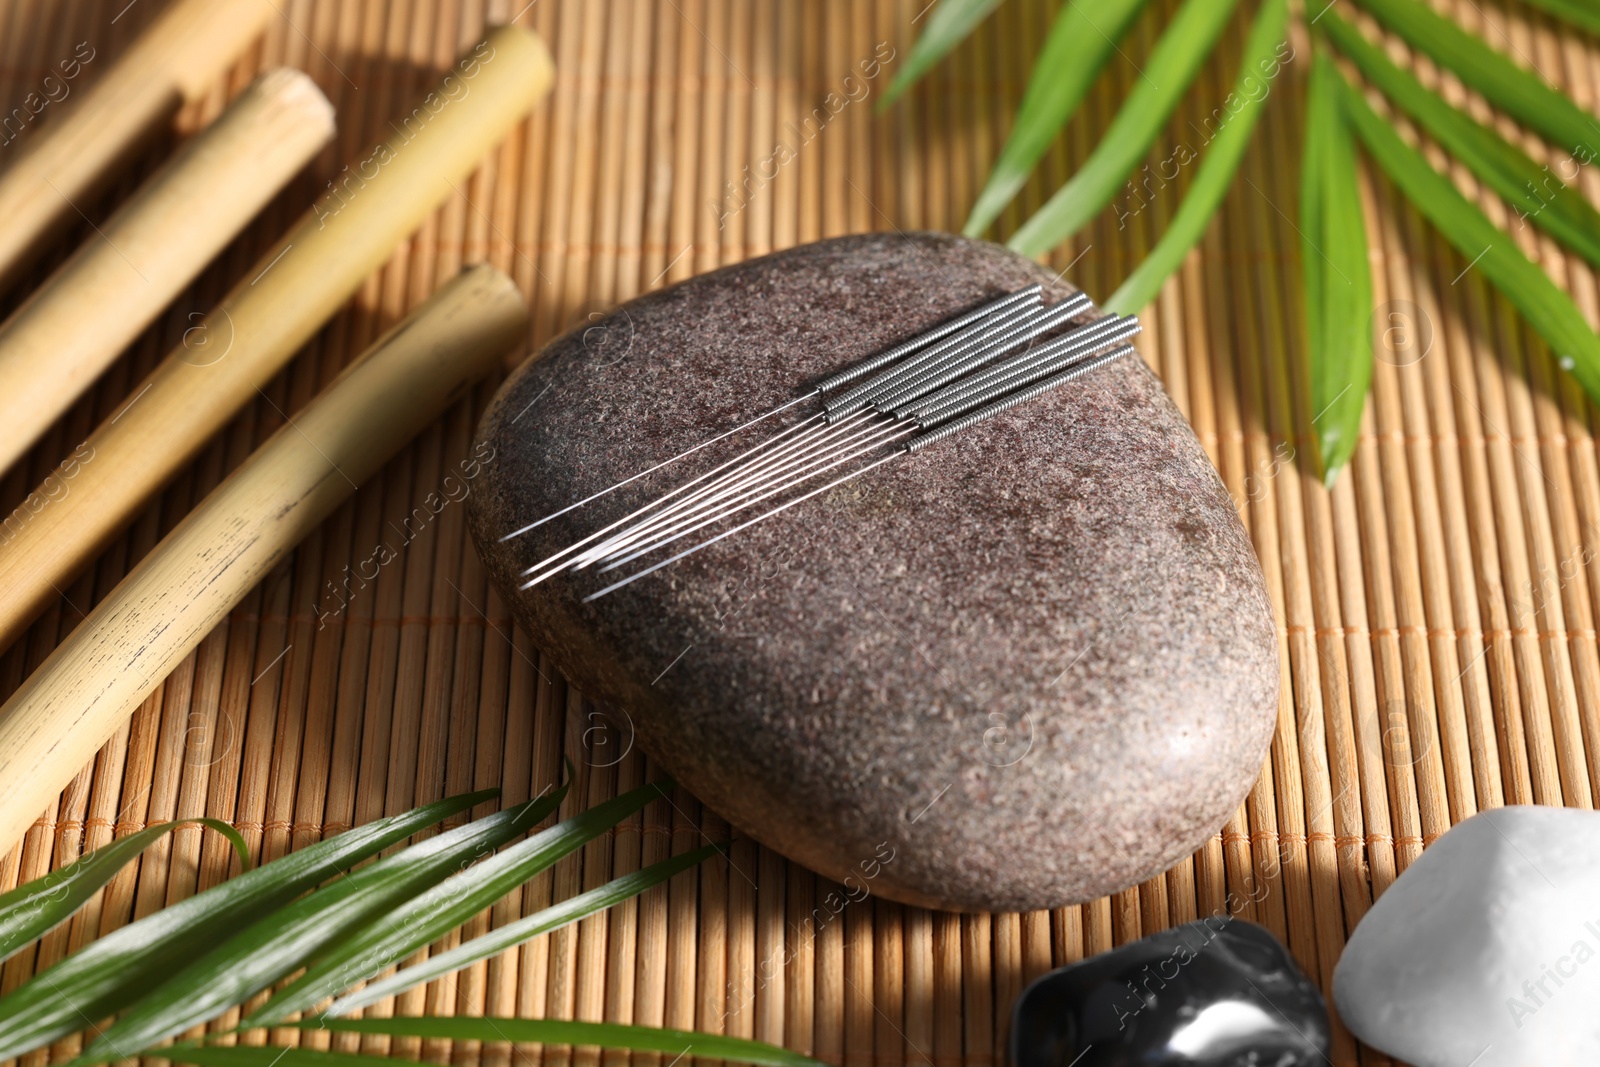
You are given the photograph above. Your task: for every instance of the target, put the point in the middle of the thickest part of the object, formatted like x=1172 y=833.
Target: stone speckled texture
x=1027 y=667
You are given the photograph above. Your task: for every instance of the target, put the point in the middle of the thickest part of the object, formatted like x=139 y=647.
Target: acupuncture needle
x=891 y=432
x=651 y=470
x=842 y=434
x=650 y=515
x=915 y=444
x=930 y=379
x=744 y=525
x=925 y=385
x=1019 y=371
x=955 y=363
x=991 y=341
x=579 y=544
x=549 y=566
x=926 y=388
x=749 y=491
x=833 y=381
x=1008 y=322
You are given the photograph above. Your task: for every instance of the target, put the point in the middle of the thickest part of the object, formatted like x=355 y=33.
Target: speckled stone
x=1029 y=666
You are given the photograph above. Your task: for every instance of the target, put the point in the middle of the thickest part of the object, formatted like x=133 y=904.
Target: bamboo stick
x=120 y=653
x=69 y=161
x=271 y=312
x=113 y=287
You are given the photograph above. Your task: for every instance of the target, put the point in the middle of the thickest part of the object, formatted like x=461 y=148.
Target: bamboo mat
x=1436 y=607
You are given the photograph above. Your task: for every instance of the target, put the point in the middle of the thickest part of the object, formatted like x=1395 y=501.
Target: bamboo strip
x=1306 y=859
x=271 y=313
x=89 y=310
x=1262 y=436
x=404 y=384
x=1556 y=399
x=71 y=160
x=1579 y=76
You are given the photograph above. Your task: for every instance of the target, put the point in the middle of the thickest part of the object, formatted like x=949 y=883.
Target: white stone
x=1486 y=951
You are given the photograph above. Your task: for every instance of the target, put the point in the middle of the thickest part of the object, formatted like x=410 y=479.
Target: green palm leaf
x=565 y=1032
x=1172 y=65
x=441 y=909
x=1081 y=38
x=675 y=1043
x=32 y=909
x=1517 y=92
x=1581 y=13
x=1338 y=280
x=530 y=926
x=283 y=941
x=112 y=972
x=1211 y=181
x=1537 y=194
x=1547 y=308
x=948 y=25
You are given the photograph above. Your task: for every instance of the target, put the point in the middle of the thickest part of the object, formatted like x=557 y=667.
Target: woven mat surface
x=1436 y=607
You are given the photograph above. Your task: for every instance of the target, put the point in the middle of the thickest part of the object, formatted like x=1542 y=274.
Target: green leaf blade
x=34 y=908
x=948 y=25
x=1171 y=67
x=1511 y=88
x=567 y=1032
x=1549 y=310
x=110 y=973
x=1505 y=168
x=1581 y=13
x=514 y=933
x=1338 y=276
x=441 y=909
x=1077 y=47
x=1217 y=166
x=282 y=942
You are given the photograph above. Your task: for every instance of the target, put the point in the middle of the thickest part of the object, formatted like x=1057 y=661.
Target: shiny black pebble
x=1215 y=993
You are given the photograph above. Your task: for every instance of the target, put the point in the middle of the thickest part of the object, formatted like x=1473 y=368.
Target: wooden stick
x=156 y=616
x=63 y=165
x=272 y=311
x=70 y=330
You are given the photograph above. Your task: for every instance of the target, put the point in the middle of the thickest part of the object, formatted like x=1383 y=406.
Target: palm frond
x=949 y=22
x=1260 y=64
x=111 y=973
x=1338 y=280
x=515 y=933
x=263 y=925
x=1548 y=309
x=1532 y=190
x=285 y=940
x=1081 y=38
x=1166 y=75
x=1513 y=89
x=436 y=912
x=1581 y=13
x=31 y=910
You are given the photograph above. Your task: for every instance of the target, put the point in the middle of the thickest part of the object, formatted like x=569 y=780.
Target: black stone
x=1216 y=993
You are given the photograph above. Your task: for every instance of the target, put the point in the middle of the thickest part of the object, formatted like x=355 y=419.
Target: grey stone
x=1027 y=667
